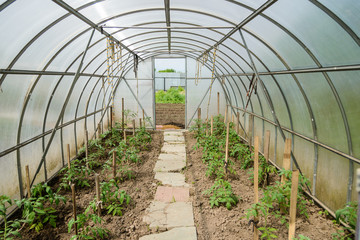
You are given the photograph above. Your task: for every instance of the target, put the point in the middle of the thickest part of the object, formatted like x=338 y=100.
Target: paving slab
x=169 y=166
x=172 y=194
x=166 y=216
x=181 y=233
x=173 y=133
x=180 y=156
x=173 y=148
x=172 y=179
x=174 y=138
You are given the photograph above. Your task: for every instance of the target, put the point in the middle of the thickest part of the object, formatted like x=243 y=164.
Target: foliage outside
x=173 y=95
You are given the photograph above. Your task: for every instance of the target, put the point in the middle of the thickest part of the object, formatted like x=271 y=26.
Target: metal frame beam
x=167 y=16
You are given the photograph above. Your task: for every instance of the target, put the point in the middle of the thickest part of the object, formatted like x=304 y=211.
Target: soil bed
x=220 y=223
x=128 y=226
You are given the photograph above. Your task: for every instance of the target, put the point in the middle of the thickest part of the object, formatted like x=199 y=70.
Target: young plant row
x=40 y=209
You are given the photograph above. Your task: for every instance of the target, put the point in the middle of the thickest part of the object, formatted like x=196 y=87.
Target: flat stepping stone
x=173 y=133
x=174 y=138
x=173 y=148
x=172 y=194
x=172 y=179
x=170 y=163
x=165 y=216
x=181 y=233
x=181 y=156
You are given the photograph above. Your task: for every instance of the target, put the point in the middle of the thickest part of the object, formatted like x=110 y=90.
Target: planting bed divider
x=116 y=211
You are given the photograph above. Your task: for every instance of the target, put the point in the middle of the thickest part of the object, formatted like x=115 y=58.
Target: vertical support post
x=111 y=117
x=87 y=148
x=212 y=125
x=122 y=114
x=114 y=164
x=143 y=111
x=140 y=122
x=227 y=146
x=286 y=158
x=28 y=180
x=293 y=201
x=97 y=188
x=199 y=113
x=133 y=123
x=68 y=156
x=237 y=123
x=256 y=181
x=218 y=103
x=74 y=207
x=225 y=115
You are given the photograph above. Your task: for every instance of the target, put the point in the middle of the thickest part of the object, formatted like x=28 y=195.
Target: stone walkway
x=171 y=212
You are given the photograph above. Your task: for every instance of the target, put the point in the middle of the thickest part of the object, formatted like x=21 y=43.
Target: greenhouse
x=257 y=136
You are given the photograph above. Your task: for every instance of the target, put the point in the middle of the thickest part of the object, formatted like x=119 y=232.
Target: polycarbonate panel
x=35 y=111
x=24 y=19
x=57 y=101
x=297 y=105
x=238 y=54
x=326 y=39
x=330 y=125
x=332 y=179
x=348 y=87
x=191 y=69
x=9 y=174
x=354 y=196
x=305 y=158
x=12 y=96
x=280 y=145
x=350 y=15
x=273 y=137
x=294 y=55
x=93 y=97
x=68 y=138
x=84 y=98
x=227 y=10
x=42 y=50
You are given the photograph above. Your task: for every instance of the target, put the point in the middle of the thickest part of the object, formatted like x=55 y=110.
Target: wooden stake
x=122 y=114
x=256 y=180
x=124 y=136
x=227 y=146
x=143 y=117
x=74 y=207
x=267 y=145
x=212 y=125
x=114 y=164
x=218 y=103
x=97 y=188
x=293 y=201
x=237 y=122
x=68 y=156
x=225 y=116
x=232 y=118
x=111 y=117
x=133 y=122
x=251 y=121
x=87 y=148
x=99 y=129
x=286 y=158
x=140 y=122
x=28 y=180
x=199 y=113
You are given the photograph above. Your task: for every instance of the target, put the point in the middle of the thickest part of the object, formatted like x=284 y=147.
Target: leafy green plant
x=301 y=237
x=77 y=174
x=221 y=194
x=87 y=227
x=11 y=228
x=268 y=233
x=173 y=95
x=38 y=210
x=348 y=215
x=125 y=173
x=264 y=170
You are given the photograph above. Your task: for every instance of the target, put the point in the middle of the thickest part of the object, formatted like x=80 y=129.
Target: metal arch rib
x=167 y=16
x=90 y=23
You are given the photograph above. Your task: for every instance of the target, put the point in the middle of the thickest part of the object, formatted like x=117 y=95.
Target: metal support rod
x=63 y=107
x=90 y=23
x=170 y=27
x=44 y=73
x=137 y=100
x=240 y=25
x=167 y=17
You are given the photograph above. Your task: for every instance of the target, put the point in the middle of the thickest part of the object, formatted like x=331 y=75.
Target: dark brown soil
x=129 y=226
x=219 y=223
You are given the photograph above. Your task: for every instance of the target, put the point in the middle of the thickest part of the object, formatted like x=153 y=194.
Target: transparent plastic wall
x=134 y=91
x=198 y=93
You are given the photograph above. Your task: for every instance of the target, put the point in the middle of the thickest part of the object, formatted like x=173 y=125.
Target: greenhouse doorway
x=170 y=93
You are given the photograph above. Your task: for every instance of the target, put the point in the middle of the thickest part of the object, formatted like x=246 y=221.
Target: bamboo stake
x=87 y=148
x=225 y=116
x=68 y=156
x=97 y=188
x=122 y=114
x=218 y=103
x=133 y=122
x=114 y=164
x=237 y=122
x=28 y=180
x=286 y=158
x=212 y=125
x=227 y=146
x=256 y=181
x=74 y=207
x=293 y=201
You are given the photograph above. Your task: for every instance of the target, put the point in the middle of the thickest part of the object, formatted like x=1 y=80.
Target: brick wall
x=170 y=113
